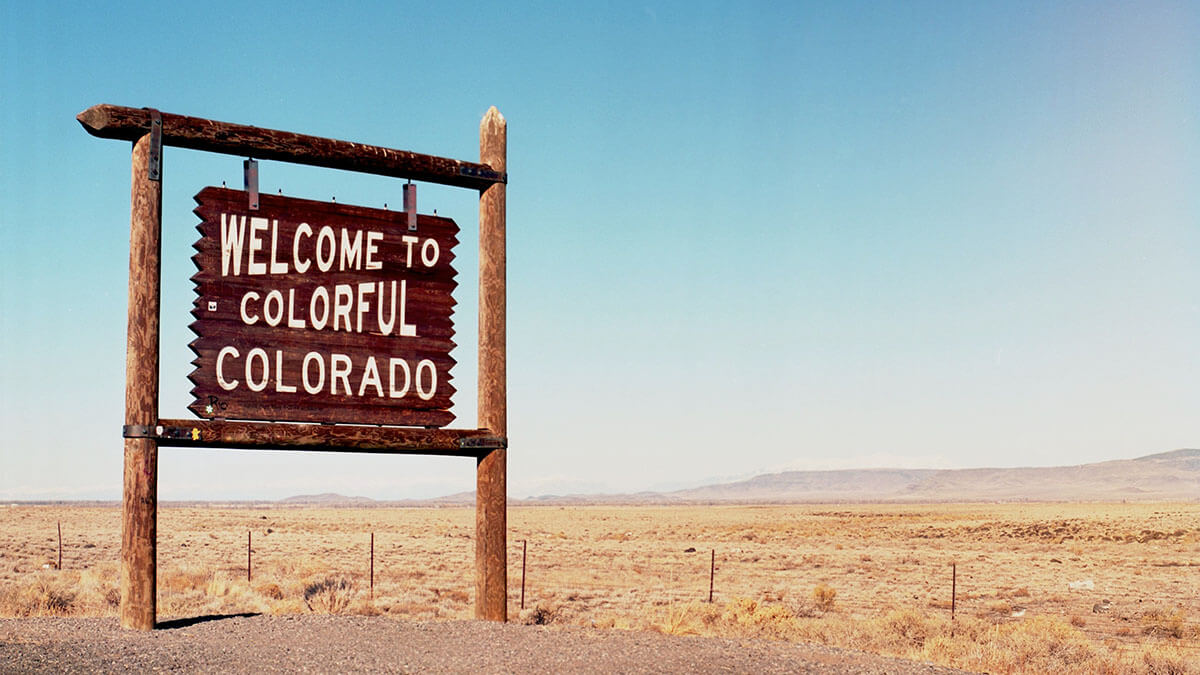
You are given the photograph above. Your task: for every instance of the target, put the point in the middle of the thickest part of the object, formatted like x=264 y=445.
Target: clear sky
x=743 y=237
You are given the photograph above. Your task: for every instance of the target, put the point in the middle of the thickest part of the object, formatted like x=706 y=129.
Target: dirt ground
x=355 y=644
x=1123 y=574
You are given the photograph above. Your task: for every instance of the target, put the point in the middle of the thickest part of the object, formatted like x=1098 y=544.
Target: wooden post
x=60 y=544
x=247 y=556
x=372 y=565
x=491 y=564
x=712 y=573
x=524 y=550
x=139 y=503
x=953 y=594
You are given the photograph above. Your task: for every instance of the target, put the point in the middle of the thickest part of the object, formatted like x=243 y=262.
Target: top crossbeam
x=119 y=122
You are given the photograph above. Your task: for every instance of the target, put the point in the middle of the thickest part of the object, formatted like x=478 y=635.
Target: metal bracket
x=410 y=205
x=160 y=432
x=483 y=442
x=497 y=176
x=250 y=181
x=154 y=160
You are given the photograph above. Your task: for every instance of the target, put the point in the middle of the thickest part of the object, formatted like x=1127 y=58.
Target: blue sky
x=743 y=237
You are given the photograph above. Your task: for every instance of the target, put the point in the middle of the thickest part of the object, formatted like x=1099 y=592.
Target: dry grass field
x=1040 y=587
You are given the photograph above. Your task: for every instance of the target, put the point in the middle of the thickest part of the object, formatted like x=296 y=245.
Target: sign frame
x=149 y=130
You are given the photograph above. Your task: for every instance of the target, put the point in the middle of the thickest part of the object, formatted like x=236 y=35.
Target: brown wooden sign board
x=311 y=311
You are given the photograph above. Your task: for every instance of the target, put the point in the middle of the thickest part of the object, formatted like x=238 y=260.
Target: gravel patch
x=344 y=644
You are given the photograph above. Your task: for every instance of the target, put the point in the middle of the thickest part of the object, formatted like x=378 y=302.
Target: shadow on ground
x=193 y=620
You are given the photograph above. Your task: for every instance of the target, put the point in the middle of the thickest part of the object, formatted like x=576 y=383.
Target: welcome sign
x=310 y=311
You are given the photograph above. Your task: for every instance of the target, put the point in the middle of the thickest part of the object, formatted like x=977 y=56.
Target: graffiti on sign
x=309 y=311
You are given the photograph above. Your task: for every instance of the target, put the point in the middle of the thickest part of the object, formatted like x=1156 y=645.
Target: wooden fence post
x=712 y=573
x=491 y=536
x=139 y=503
x=953 y=594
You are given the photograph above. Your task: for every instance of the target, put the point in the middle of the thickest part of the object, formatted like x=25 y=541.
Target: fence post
x=372 y=565
x=247 y=555
x=524 y=550
x=953 y=594
x=60 y=545
x=712 y=573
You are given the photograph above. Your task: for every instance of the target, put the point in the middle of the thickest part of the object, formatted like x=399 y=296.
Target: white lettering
x=319 y=320
x=231 y=351
x=273 y=318
x=276 y=266
x=256 y=225
x=279 y=385
x=371 y=376
x=343 y=297
x=260 y=353
x=326 y=234
x=261 y=371
x=293 y=322
x=364 y=305
x=430 y=259
x=373 y=248
x=406 y=329
x=308 y=386
x=410 y=240
x=425 y=364
x=392 y=392
x=339 y=369
x=302 y=229
x=385 y=328
x=246 y=318
x=351 y=249
x=233 y=236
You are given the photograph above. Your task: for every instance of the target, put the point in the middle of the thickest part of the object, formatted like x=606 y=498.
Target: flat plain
x=1083 y=587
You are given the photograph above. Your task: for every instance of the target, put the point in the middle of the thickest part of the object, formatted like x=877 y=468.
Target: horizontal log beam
x=130 y=124
x=322 y=437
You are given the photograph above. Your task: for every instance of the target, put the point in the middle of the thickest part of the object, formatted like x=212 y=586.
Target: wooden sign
x=310 y=311
x=299 y=280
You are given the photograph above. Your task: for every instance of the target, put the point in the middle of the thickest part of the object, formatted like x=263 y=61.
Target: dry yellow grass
x=1041 y=587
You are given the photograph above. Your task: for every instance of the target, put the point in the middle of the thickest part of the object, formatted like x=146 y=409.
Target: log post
x=491 y=556
x=139 y=504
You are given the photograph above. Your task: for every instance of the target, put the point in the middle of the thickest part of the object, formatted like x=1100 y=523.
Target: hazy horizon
x=569 y=488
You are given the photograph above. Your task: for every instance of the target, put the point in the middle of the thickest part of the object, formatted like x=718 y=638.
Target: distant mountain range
x=327 y=498
x=1165 y=476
